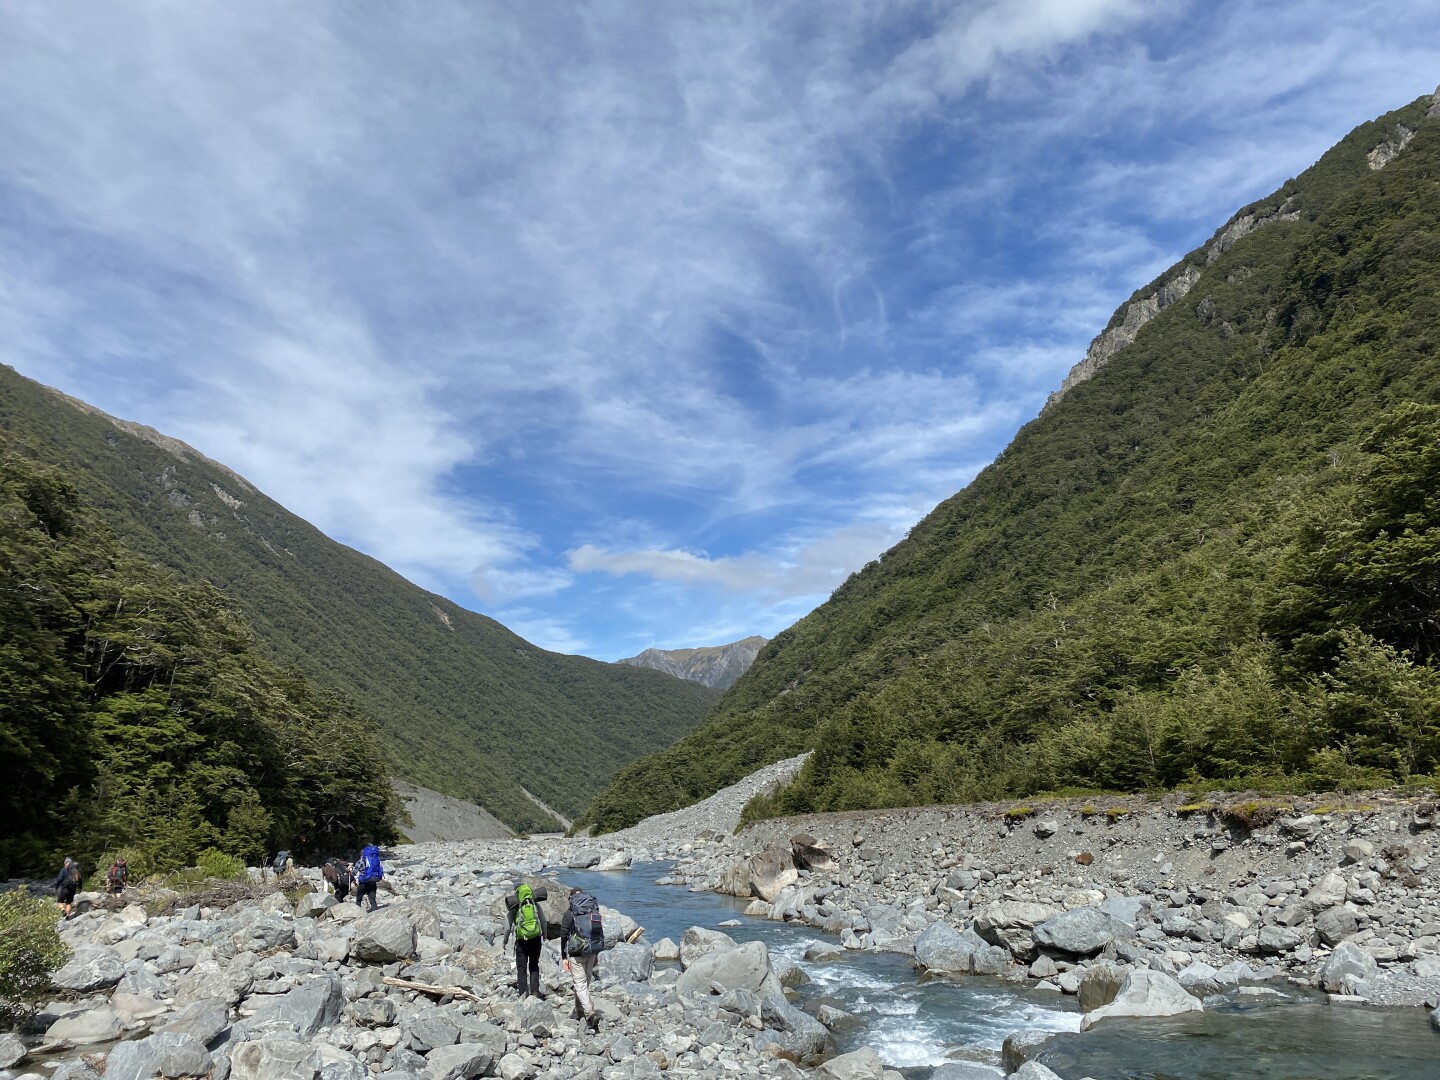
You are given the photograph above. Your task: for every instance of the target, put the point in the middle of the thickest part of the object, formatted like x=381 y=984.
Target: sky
x=632 y=323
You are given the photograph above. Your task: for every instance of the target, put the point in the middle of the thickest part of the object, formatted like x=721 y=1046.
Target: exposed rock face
x=439 y=817
x=771 y=871
x=1387 y=151
x=715 y=665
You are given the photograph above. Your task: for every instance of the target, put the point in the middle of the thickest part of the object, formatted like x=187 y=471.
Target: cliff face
x=716 y=665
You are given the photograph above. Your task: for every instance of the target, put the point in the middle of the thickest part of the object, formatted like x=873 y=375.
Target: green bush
x=30 y=949
x=216 y=864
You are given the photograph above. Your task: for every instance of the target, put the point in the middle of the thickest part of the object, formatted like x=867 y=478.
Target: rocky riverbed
x=1137 y=909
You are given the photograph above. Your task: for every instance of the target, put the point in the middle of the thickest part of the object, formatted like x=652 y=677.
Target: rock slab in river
x=1145 y=993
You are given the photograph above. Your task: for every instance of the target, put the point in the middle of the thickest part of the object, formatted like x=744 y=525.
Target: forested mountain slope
x=1213 y=559
x=463 y=705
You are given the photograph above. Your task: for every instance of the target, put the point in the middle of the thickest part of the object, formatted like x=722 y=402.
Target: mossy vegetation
x=1214 y=565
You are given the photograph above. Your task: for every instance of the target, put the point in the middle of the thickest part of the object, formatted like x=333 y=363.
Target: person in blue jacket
x=368 y=875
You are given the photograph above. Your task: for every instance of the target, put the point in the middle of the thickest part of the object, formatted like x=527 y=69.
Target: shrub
x=216 y=864
x=30 y=949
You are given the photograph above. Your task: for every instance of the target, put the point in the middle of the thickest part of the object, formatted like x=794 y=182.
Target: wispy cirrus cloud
x=631 y=323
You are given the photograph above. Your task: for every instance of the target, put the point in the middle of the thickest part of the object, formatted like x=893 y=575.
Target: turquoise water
x=915 y=1024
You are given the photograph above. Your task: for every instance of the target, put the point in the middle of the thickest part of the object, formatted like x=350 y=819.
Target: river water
x=915 y=1024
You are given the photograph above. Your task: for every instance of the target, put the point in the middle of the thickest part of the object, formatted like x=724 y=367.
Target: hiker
x=117 y=877
x=282 y=863
x=582 y=939
x=337 y=873
x=67 y=884
x=368 y=875
x=526 y=919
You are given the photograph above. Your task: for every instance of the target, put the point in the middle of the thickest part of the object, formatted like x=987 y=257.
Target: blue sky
x=632 y=324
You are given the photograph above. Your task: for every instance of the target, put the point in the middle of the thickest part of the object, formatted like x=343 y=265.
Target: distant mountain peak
x=709 y=665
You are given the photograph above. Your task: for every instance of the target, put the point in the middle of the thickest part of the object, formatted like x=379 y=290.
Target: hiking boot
x=593 y=1023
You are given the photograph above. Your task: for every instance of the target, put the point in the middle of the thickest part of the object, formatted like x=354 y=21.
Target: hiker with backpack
x=67 y=884
x=582 y=940
x=368 y=875
x=525 y=918
x=336 y=873
x=282 y=863
x=117 y=877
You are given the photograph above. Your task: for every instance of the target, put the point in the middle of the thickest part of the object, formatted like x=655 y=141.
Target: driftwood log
x=426 y=988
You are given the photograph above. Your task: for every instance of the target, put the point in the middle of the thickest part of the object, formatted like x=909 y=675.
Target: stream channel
x=915 y=1024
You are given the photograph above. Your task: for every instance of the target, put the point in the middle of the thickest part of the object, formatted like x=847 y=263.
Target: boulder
x=459 y=1062
x=313 y=905
x=745 y=967
x=616 y=860
x=204 y=1021
x=265 y=933
x=96 y=1025
x=583 y=859
x=1145 y=993
x=1335 y=924
x=1020 y=1046
x=803 y=1036
x=735 y=879
x=1347 y=959
x=944 y=949
x=810 y=854
x=1011 y=915
x=1081 y=931
x=1200 y=978
x=310 y=1007
x=1273 y=940
x=209 y=980
x=666 y=949
x=1326 y=893
x=383 y=938
x=771 y=871
x=12 y=1050
x=1359 y=850
x=958 y=1070
x=629 y=963
x=1033 y=1070
x=274 y=1059
x=698 y=941
x=1046 y=828
x=862 y=1064
x=92 y=967
x=822 y=951
x=168 y=1055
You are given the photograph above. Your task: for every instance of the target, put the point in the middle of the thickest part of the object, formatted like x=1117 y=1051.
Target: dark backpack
x=588 y=937
x=281 y=859
x=72 y=876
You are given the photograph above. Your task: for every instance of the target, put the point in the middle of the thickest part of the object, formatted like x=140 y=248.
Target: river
x=917 y=1023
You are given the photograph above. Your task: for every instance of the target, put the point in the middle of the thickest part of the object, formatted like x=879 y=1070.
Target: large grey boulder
x=208 y=979
x=168 y=1055
x=1009 y=923
x=629 y=963
x=1347 y=959
x=1083 y=931
x=862 y=1064
x=1145 y=993
x=95 y=1025
x=12 y=1050
x=1327 y=892
x=802 y=1035
x=745 y=967
x=810 y=853
x=698 y=941
x=1335 y=924
x=771 y=871
x=205 y=1021
x=1099 y=984
x=265 y=934
x=274 y=1059
x=92 y=967
x=310 y=1007
x=959 y=1070
x=616 y=860
x=1200 y=979
x=459 y=1062
x=383 y=938
x=944 y=949
x=313 y=905
x=1033 y=1070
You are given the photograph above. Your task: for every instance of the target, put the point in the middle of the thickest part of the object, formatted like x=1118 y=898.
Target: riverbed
x=916 y=1023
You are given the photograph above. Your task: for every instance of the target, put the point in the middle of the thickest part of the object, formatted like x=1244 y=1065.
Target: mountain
x=462 y=705
x=1213 y=559
x=716 y=666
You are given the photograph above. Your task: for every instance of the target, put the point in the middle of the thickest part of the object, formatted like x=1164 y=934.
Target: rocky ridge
x=716 y=666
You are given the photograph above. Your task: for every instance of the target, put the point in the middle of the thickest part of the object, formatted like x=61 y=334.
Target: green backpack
x=527 y=920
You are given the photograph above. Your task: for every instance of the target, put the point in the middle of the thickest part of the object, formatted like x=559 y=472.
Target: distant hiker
x=117 y=877
x=368 y=875
x=582 y=940
x=67 y=884
x=336 y=872
x=282 y=863
x=526 y=919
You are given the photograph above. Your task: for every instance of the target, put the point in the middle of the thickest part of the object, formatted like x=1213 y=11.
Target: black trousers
x=365 y=890
x=527 y=959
